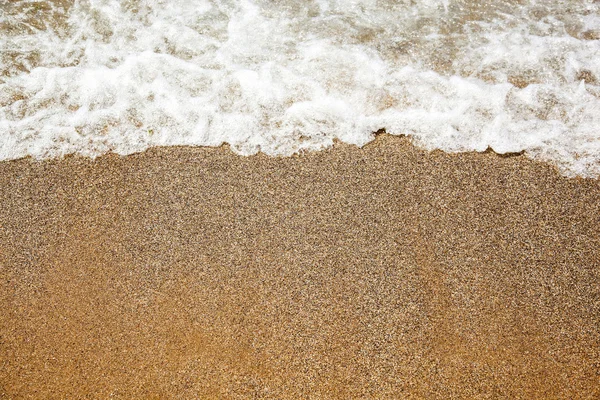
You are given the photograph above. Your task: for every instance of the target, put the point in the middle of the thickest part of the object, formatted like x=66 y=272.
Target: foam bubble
x=93 y=76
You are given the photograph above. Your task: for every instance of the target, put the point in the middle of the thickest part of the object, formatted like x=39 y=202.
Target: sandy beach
x=381 y=272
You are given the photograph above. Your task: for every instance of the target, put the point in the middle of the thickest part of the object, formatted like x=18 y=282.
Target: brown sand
x=382 y=272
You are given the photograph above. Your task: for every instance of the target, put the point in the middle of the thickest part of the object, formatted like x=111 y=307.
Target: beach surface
x=381 y=272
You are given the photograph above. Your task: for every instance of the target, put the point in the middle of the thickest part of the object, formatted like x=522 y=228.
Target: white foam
x=95 y=76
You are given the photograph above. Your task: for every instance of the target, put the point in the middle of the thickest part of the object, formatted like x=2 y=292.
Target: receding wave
x=281 y=76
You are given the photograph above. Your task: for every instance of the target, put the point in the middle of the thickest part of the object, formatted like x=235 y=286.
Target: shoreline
x=381 y=271
x=303 y=153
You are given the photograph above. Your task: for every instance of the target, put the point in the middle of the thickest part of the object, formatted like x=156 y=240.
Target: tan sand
x=382 y=272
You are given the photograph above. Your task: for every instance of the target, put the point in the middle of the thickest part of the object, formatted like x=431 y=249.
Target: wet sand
x=382 y=272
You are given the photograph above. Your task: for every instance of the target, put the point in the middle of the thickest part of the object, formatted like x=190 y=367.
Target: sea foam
x=95 y=76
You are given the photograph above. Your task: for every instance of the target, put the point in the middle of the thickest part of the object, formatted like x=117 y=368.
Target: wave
x=97 y=76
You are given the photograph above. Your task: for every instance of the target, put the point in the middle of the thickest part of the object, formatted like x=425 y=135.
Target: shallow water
x=94 y=76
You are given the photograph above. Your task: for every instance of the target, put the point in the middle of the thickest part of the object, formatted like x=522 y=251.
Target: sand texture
x=382 y=272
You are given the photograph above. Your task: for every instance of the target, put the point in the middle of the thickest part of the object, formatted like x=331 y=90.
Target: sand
x=382 y=272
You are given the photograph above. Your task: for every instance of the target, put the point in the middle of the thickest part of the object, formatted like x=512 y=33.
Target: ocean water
x=282 y=76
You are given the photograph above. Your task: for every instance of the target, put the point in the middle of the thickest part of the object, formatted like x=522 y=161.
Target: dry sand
x=382 y=272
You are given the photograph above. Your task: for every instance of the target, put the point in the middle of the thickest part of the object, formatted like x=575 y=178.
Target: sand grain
x=382 y=272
